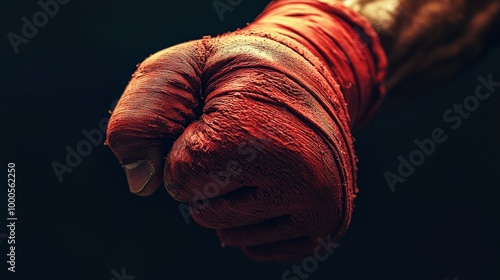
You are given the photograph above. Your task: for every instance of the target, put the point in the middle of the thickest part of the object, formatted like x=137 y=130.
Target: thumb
x=161 y=99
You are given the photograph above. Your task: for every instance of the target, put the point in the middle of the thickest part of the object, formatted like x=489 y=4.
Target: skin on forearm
x=429 y=41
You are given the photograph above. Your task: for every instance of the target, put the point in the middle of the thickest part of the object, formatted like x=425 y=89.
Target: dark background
x=442 y=222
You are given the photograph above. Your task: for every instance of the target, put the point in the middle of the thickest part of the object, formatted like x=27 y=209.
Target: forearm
x=429 y=41
x=426 y=41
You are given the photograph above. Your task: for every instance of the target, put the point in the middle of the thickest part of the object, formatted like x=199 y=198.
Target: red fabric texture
x=255 y=125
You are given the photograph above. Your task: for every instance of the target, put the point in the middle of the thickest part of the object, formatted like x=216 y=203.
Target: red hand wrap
x=272 y=154
x=343 y=40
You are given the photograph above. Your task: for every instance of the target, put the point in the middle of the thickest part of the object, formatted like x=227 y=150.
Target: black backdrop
x=441 y=223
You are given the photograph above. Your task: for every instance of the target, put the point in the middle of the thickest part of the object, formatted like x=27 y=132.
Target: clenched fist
x=253 y=128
